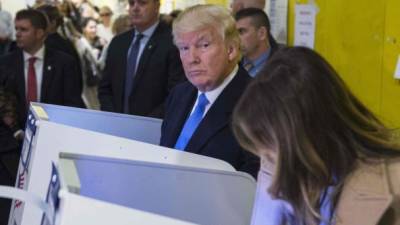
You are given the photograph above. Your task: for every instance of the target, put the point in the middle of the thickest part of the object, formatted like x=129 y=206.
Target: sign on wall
x=304 y=25
x=277 y=11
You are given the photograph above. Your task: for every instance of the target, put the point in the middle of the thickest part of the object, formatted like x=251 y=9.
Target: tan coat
x=371 y=195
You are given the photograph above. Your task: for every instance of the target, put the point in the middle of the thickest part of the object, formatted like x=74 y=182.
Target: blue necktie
x=192 y=122
x=130 y=70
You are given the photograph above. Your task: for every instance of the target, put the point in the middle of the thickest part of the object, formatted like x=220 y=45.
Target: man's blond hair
x=203 y=16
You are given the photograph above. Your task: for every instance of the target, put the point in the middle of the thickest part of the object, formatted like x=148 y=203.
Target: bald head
x=237 y=5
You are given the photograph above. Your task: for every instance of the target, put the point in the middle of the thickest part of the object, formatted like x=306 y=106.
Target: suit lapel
x=219 y=115
x=365 y=197
x=215 y=120
x=20 y=76
x=120 y=77
x=180 y=114
x=147 y=52
x=48 y=68
x=17 y=85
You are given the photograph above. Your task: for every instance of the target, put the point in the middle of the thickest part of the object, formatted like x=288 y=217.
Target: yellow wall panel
x=350 y=35
x=359 y=44
x=390 y=86
x=218 y=2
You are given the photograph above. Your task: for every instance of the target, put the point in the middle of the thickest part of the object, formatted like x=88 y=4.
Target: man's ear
x=233 y=51
x=41 y=33
x=262 y=33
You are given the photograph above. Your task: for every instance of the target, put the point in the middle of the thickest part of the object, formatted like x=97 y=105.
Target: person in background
x=175 y=13
x=36 y=73
x=254 y=30
x=10 y=141
x=237 y=5
x=32 y=73
x=326 y=159
x=89 y=47
x=198 y=112
x=86 y=9
x=120 y=25
x=169 y=18
x=54 y=40
x=6 y=33
x=104 y=28
x=142 y=65
x=89 y=35
x=71 y=28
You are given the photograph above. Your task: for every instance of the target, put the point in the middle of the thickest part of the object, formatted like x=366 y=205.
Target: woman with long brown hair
x=327 y=158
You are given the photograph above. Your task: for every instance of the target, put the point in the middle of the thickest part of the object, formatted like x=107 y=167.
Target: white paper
x=397 y=72
x=277 y=11
x=304 y=34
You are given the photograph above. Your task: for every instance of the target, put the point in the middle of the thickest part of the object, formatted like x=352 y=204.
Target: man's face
x=28 y=37
x=143 y=13
x=249 y=36
x=206 y=58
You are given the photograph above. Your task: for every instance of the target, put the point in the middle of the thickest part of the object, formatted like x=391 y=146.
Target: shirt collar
x=260 y=60
x=149 y=31
x=39 y=55
x=213 y=94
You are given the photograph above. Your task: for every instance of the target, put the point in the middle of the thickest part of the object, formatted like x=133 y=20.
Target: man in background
x=198 y=112
x=142 y=65
x=254 y=30
x=34 y=73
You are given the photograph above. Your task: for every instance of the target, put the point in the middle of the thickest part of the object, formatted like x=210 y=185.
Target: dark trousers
x=8 y=171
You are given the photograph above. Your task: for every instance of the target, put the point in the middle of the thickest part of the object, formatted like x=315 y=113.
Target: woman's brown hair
x=298 y=106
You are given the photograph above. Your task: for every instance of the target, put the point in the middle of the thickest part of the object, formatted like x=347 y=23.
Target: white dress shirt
x=213 y=94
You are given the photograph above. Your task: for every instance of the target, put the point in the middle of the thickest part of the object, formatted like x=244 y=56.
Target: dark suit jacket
x=60 y=84
x=213 y=137
x=57 y=42
x=159 y=70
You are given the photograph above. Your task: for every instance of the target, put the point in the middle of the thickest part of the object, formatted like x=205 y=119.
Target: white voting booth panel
x=45 y=139
x=193 y=194
x=80 y=210
x=139 y=128
x=73 y=209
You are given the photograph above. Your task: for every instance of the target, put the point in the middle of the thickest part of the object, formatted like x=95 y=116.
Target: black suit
x=57 y=42
x=60 y=80
x=60 y=85
x=9 y=146
x=213 y=137
x=159 y=70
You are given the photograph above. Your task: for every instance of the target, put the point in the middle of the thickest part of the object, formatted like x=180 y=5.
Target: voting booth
x=119 y=165
x=196 y=195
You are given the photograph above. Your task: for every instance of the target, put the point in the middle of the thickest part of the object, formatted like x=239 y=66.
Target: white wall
x=13 y=6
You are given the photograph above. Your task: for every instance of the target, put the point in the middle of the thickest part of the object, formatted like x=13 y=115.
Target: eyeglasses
x=105 y=14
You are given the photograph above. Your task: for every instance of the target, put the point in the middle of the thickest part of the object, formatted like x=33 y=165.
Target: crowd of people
x=224 y=89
